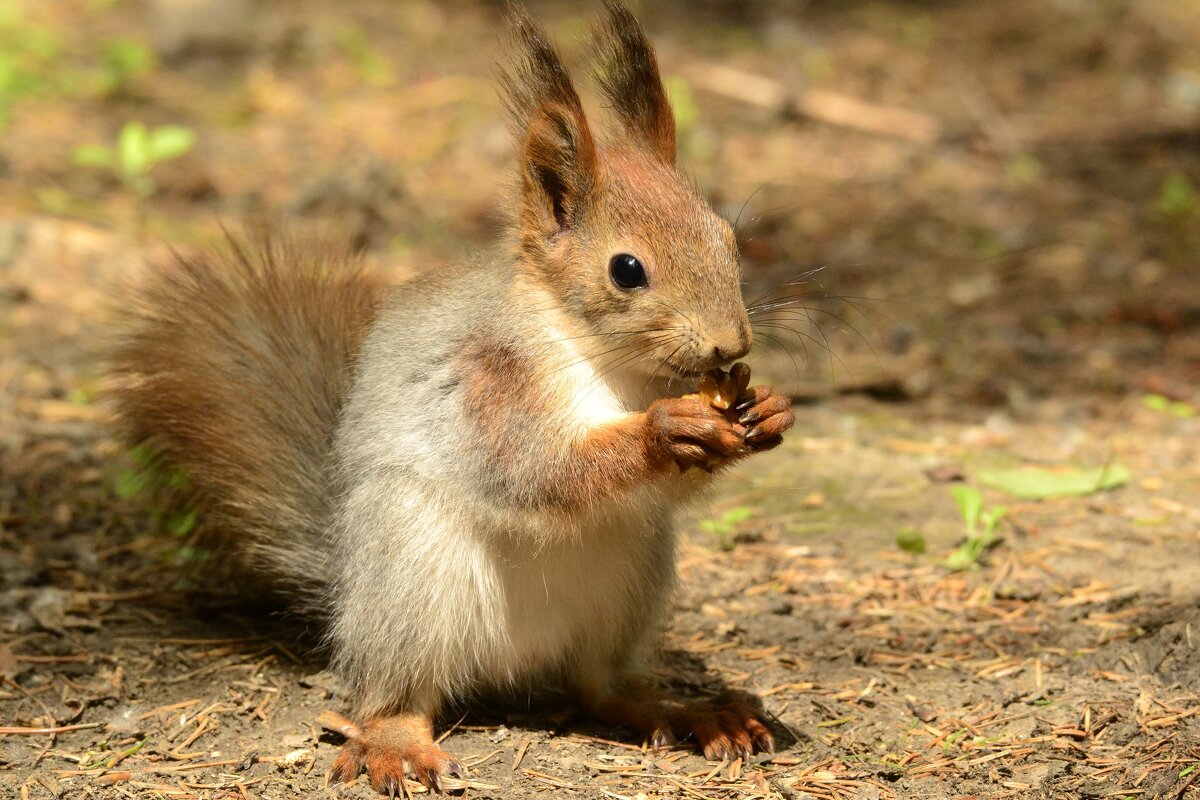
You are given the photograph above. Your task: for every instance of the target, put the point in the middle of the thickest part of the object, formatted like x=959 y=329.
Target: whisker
x=595 y=356
x=852 y=300
x=801 y=334
x=738 y=218
x=806 y=316
x=779 y=343
x=662 y=362
x=614 y=333
x=607 y=370
x=679 y=311
x=797 y=281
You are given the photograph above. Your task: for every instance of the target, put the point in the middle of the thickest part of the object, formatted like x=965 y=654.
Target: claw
x=663 y=737
x=433 y=780
x=456 y=769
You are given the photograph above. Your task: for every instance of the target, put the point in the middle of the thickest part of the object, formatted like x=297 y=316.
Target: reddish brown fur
x=390 y=748
x=557 y=153
x=728 y=726
x=233 y=368
x=626 y=70
x=236 y=369
x=505 y=399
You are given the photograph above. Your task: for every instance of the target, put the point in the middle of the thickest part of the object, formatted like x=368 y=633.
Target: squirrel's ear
x=626 y=71
x=557 y=151
x=558 y=167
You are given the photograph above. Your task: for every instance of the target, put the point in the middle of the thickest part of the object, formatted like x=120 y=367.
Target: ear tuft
x=535 y=74
x=626 y=70
x=557 y=152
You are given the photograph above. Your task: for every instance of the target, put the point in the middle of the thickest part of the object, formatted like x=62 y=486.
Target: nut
x=722 y=389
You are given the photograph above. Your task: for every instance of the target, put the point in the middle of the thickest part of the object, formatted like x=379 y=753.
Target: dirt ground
x=996 y=210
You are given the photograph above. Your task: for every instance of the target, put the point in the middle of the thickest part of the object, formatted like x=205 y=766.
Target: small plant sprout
x=121 y=61
x=724 y=526
x=1165 y=405
x=137 y=152
x=911 y=540
x=981 y=524
x=158 y=489
x=30 y=58
x=372 y=66
x=1178 y=198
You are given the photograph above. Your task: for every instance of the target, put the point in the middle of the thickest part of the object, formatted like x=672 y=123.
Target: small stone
x=180 y=27
x=295 y=759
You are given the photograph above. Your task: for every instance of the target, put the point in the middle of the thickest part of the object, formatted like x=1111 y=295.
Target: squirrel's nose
x=731 y=347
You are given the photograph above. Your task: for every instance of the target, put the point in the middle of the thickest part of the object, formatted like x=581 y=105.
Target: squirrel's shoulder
x=450 y=297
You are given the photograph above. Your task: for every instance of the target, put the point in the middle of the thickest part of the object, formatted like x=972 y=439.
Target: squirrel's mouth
x=685 y=372
x=695 y=370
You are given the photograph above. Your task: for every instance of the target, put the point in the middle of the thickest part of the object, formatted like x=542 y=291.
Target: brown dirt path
x=1021 y=288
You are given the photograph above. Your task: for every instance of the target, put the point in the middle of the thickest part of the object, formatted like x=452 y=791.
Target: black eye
x=626 y=271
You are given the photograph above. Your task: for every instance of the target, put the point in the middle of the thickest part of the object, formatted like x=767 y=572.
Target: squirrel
x=471 y=477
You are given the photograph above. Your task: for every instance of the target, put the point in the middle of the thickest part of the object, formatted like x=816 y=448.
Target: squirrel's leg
x=728 y=726
x=390 y=748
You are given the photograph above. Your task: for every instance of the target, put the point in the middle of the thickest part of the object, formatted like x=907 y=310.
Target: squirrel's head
x=621 y=239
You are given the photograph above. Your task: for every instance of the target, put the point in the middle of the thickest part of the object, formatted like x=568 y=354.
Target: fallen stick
x=48 y=731
x=822 y=105
x=336 y=723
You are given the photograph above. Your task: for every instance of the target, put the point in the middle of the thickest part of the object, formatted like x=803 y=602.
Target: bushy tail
x=233 y=368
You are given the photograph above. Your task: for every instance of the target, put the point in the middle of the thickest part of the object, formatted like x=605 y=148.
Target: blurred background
x=1002 y=199
x=990 y=214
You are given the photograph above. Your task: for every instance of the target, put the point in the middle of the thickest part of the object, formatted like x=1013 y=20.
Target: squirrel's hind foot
x=391 y=748
x=726 y=727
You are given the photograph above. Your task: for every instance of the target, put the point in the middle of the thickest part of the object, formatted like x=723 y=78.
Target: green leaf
x=737 y=514
x=911 y=540
x=966 y=556
x=1178 y=197
x=127 y=56
x=683 y=103
x=970 y=505
x=176 y=479
x=1036 y=483
x=143 y=455
x=180 y=523
x=991 y=518
x=133 y=152
x=1156 y=402
x=373 y=67
x=168 y=142
x=1183 y=410
x=131 y=483
x=93 y=155
x=194 y=555
x=1177 y=408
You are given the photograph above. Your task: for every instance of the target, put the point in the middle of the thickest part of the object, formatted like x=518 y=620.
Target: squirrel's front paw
x=766 y=416
x=690 y=432
x=392 y=748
